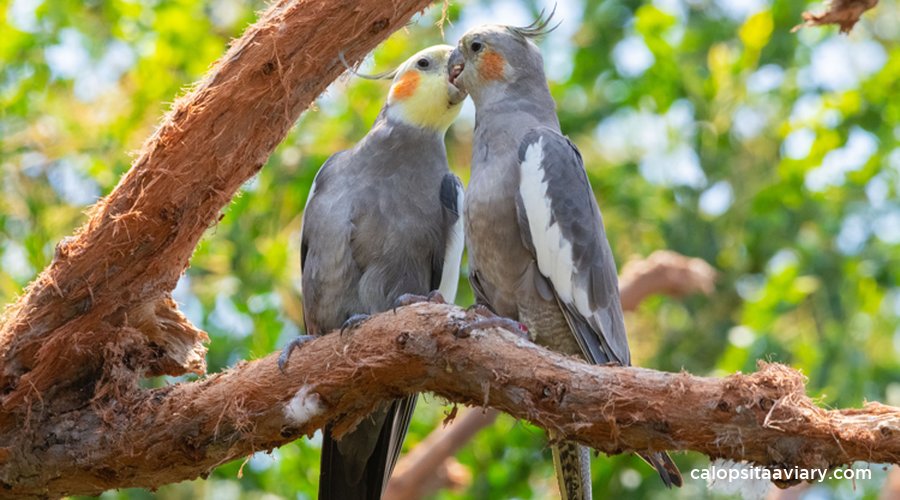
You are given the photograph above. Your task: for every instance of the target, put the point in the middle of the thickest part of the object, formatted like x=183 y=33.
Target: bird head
x=492 y=57
x=421 y=92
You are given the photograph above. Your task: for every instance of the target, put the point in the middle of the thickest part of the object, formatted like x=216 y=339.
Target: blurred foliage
x=707 y=127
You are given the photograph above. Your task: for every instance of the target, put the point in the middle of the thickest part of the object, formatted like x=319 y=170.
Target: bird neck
x=398 y=126
x=426 y=118
x=528 y=96
x=392 y=142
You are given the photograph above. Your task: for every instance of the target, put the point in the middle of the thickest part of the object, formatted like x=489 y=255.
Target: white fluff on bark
x=304 y=406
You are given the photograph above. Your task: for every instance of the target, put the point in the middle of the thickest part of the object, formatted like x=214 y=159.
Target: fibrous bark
x=100 y=316
x=844 y=13
x=108 y=286
x=158 y=436
x=73 y=418
x=426 y=468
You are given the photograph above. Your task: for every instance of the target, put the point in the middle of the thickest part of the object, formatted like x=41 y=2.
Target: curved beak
x=455 y=66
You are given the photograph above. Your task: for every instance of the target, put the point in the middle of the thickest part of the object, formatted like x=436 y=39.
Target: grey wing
x=304 y=230
x=359 y=465
x=445 y=268
x=562 y=226
x=478 y=289
x=328 y=270
x=403 y=411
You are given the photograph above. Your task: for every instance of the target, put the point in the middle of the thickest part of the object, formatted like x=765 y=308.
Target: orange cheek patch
x=406 y=86
x=492 y=66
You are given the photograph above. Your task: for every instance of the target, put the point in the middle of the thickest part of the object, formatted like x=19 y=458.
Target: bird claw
x=434 y=296
x=519 y=329
x=353 y=322
x=480 y=310
x=286 y=352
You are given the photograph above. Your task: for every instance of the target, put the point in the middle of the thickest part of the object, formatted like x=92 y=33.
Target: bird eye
x=423 y=63
x=476 y=46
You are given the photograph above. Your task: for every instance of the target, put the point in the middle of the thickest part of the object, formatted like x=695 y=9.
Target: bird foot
x=495 y=322
x=353 y=322
x=286 y=352
x=480 y=310
x=406 y=299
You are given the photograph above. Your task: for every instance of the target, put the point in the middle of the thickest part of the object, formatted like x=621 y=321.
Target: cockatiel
x=538 y=252
x=382 y=221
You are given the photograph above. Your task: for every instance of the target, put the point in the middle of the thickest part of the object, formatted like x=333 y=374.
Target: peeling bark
x=100 y=317
x=844 y=13
x=74 y=420
x=425 y=469
x=151 y=437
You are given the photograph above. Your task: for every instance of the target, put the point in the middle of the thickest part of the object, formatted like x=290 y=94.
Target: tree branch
x=425 y=469
x=101 y=311
x=664 y=272
x=73 y=348
x=100 y=316
x=153 y=437
x=844 y=13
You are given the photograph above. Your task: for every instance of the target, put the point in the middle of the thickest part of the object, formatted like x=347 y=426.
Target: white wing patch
x=552 y=249
x=453 y=252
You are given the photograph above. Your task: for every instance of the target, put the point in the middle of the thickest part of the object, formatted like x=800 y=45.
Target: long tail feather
x=573 y=470
x=359 y=465
x=665 y=467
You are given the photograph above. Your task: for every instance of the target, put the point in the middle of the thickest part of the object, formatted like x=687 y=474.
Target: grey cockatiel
x=537 y=248
x=383 y=220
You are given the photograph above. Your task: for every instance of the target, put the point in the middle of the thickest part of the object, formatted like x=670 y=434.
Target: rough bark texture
x=73 y=418
x=429 y=466
x=100 y=316
x=164 y=435
x=106 y=293
x=844 y=13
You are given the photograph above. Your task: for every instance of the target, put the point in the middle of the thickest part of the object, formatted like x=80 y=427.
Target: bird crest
x=539 y=28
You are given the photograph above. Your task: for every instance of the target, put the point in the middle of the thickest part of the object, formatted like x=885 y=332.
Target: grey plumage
x=538 y=252
x=383 y=219
x=375 y=227
x=599 y=327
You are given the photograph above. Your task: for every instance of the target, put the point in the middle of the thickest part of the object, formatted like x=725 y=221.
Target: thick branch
x=182 y=431
x=106 y=291
x=844 y=13
x=73 y=420
x=425 y=469
x=664 y=272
